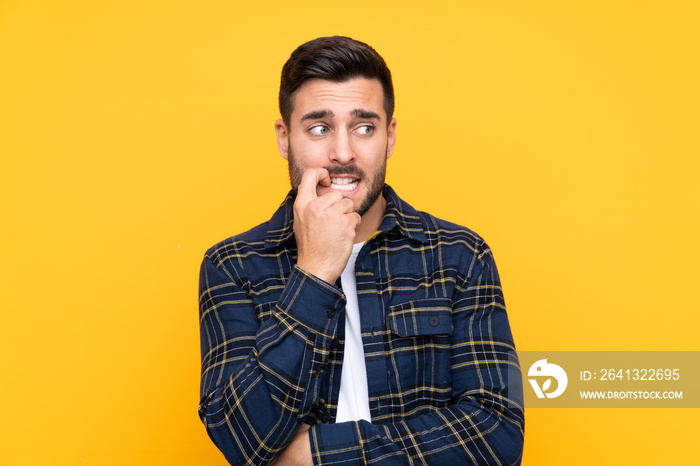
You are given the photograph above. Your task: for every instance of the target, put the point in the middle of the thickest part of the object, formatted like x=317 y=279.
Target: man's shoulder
x=239 y=246
x=432 y=229
x=432 y=223
x=255 y=242
x=425 y=227
x=447 y=232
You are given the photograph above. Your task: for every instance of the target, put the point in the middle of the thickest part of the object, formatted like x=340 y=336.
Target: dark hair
x=336 y=59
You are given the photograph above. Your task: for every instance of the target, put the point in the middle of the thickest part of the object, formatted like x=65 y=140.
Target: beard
x=375 y=185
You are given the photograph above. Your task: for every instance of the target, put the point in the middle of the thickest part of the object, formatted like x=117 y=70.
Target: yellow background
x=136 y=134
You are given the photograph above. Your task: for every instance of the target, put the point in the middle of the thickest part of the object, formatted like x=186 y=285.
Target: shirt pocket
x=430 y=316
x=420 y=352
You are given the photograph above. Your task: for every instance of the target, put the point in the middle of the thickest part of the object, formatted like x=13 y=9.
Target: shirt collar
x=398 y=214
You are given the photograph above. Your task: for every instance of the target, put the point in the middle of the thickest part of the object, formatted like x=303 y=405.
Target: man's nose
x=342 y=152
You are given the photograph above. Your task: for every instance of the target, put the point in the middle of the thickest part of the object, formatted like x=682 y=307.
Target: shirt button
x=434 y=321
x=334 y=343
x=330 y=313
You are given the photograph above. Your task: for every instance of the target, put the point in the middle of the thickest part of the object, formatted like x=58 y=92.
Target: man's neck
x=371 y=220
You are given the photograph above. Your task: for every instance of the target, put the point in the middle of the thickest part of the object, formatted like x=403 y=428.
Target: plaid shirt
x=435 y=334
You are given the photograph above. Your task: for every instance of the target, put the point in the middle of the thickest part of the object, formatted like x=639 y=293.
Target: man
x=350 y=328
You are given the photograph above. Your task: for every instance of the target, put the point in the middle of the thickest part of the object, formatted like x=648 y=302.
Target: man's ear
x=282 y=138
x=391 y=137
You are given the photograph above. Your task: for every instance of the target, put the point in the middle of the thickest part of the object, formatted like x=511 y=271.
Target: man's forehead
x=353 y=97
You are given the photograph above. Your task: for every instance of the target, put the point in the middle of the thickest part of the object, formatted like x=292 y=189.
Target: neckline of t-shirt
x=356 y=248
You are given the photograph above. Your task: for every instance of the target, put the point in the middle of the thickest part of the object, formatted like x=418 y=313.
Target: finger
x=325 y=178
x=311 y=178
x=328 y=200
x=343 y=205
x=357 y=218
x=353 y=219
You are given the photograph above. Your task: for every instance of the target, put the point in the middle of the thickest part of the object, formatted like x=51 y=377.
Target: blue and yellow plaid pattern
x=435 y=333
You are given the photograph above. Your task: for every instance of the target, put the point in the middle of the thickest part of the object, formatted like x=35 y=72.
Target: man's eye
x=319 y=130
x=365 y=129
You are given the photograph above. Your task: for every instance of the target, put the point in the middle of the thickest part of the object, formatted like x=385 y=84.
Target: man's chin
x=368 y=203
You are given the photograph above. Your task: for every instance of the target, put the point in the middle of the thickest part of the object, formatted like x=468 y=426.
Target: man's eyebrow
x=316 y=114
x=365 y=114
x=357 y=113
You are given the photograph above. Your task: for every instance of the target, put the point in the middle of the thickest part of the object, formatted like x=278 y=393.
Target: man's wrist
x=311 y=301
x=318 y=272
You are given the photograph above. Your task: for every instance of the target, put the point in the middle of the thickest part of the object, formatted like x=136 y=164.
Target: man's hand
x=298 y=452
x=324 y=227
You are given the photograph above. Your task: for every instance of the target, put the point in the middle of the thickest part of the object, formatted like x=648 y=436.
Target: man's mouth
x=344 y=184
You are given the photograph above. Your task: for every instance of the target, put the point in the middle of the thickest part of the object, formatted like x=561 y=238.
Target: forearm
x=260 y=382
x=254 y=413
x=464 y=433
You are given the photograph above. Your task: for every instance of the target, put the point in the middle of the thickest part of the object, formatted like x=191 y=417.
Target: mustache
x=337 y=170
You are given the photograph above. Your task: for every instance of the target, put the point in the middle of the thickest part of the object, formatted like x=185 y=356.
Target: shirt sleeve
x=483 y=424
x=260 y=379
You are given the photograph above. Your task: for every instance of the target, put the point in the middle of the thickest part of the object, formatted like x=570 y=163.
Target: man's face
x=341 y=127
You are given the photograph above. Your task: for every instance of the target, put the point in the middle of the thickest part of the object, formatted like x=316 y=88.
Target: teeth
x=343 y=184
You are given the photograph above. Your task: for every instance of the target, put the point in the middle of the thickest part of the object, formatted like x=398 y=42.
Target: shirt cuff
x=336 y=444
x=311 y=301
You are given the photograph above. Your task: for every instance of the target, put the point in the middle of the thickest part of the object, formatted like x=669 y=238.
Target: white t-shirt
x=353 y=402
